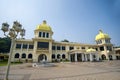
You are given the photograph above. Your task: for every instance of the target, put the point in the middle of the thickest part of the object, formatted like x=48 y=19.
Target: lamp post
x=12 y=33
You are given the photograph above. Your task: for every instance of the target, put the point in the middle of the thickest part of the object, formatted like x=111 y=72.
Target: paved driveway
x=107 y=70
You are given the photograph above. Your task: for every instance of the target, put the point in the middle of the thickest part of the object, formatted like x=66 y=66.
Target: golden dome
x=90 y=50
x=101 y=35
x=44 y=27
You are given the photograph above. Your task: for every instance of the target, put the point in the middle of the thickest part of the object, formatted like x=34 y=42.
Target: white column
x=45 y=35
x=106 y=54
x=21 y=51
x=75 y=57
x=83 y=57
x=61 y=56
x=69 y=57
x=41 y=34
x=97 y=56
x=91 y=58
x=27 y=47
x=21 y=46
x=35 y=56
x=50 y=35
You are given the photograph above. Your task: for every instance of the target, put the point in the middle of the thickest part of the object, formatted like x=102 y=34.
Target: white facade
x=43 y=47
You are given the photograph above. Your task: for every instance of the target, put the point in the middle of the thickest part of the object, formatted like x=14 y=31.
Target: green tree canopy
x=65 y=40
x=5 y=44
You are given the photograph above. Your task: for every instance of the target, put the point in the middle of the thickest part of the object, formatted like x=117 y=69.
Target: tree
x=65 y=40
x=5 y=44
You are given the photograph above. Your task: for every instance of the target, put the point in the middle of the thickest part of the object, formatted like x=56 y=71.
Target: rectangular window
x=43 y=34
x=24 y=46
x=47 y=35
x=18 y=46
x=83 y=47
x=58 y=47
x=107 y=41
x=109 y=48
x=70 y=48
x=63 y=47
x=43 y=45
x=53 y=47
x=96 y=49
x=40 y=34
x=30 y=46
x=101 y=48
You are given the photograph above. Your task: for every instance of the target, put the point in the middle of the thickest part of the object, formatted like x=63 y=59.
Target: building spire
x=100 y=31
x=44 y=21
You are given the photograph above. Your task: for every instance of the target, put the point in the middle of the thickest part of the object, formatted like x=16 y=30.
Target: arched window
x=30 y=56
x=63 y=56
x=53 y=56
x=58 y=56
x=103 y=57
x=16 y=55
x=23 y=55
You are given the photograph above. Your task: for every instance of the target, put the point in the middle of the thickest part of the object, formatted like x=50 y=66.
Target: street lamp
x=12 y=33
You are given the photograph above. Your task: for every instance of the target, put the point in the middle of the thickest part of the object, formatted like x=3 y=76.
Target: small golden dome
x=101 y=35
x=90 y=50
x=44 y=27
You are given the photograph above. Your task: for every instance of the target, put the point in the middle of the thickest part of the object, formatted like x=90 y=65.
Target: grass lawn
x=4 y=63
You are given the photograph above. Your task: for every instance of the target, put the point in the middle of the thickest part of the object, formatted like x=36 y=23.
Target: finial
x=100 y=31
x=44 y=22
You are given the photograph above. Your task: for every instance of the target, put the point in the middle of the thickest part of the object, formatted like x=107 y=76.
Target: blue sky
x=75 y=20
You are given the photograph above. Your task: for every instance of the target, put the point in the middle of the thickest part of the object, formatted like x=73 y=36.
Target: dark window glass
x=58 y=47
x=24 y=46
x=63 y=56
x=97 y=42
x=40 y=34
x=100 y=41
x=109 y=48
x=96 y=49
x=58 y=56
x=47 y=35
x=53 y=47
x=83 y=47
x=94 y=56
x=23 y=55
x=30 y=56
x=101 y=48
x=30 y=46
x=63 y=47
x=43 y=34
x=18 y=46
x=70 y=48
x=17 y=55
x=53 y=56
x=43 y=45
x=107 y=41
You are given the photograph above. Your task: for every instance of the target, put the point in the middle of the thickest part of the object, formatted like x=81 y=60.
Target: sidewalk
x=66 y=71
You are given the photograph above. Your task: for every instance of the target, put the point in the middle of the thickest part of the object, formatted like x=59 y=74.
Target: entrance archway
x=42 y=57
x=79 y=57
x=103 y=57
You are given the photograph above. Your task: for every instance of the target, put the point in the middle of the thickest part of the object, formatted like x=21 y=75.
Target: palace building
x=43 y=47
